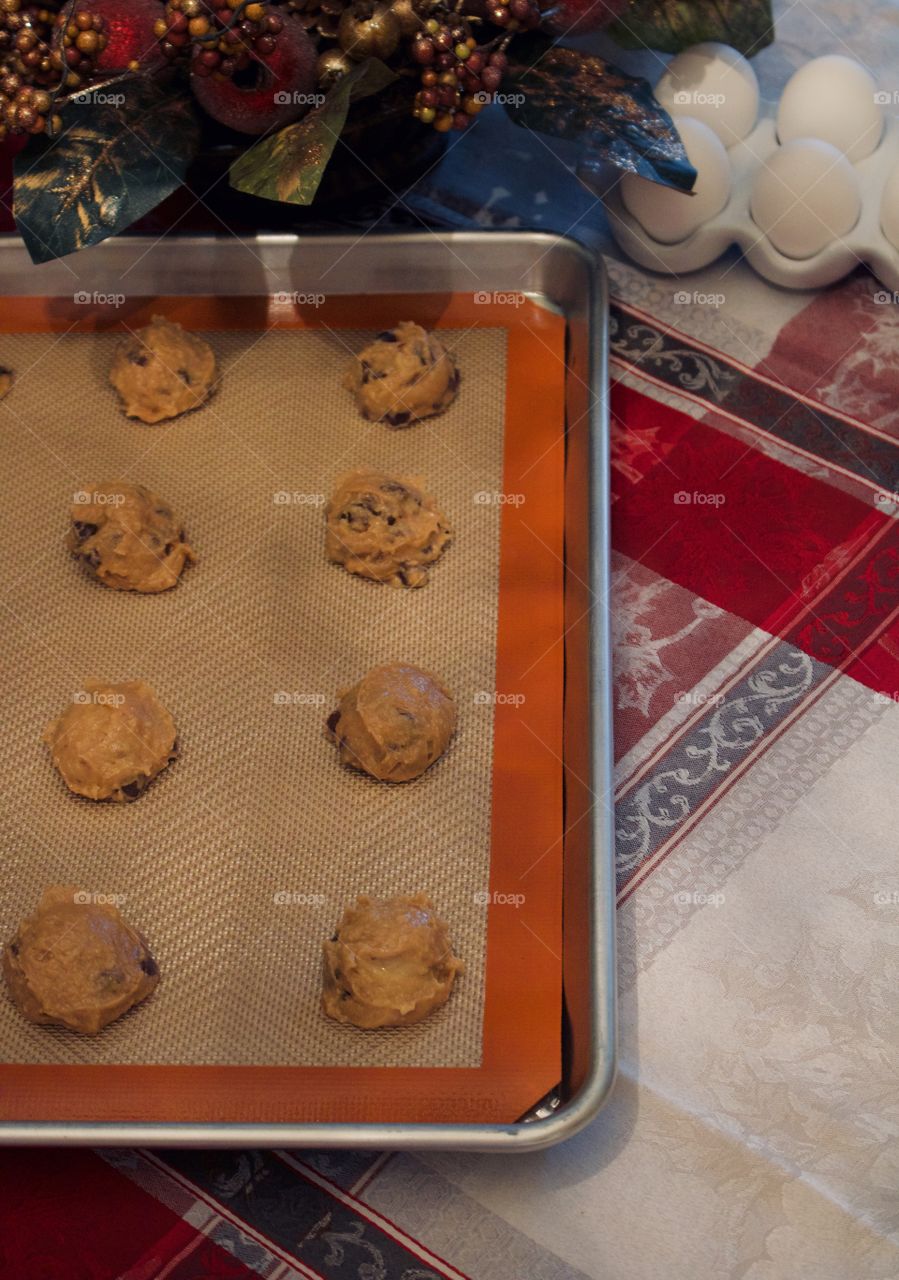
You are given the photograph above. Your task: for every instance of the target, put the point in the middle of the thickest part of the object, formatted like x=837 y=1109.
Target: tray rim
x=565 y=1119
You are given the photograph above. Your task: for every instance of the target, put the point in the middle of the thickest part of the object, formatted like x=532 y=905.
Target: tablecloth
x=754 y=1129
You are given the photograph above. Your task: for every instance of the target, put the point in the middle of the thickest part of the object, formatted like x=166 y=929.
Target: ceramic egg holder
x=865 y=243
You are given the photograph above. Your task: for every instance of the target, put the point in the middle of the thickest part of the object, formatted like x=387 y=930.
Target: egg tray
x=865 y=244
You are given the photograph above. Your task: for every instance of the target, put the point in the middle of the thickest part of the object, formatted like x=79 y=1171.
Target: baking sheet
x=239 y=859
x=520 y=1050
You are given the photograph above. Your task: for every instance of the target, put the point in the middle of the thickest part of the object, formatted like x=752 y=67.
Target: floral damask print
x=863 y=384
x=365 y=1260
x=641 y=344
x=818 y=578
x=639 y=668
x=841 y=629
x=631 y=446
x=651 y=813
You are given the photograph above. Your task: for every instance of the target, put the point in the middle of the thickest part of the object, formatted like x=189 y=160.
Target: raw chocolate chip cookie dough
x=405 y=375
x=128 y=538
x=389 y=964
x=162 y=371
x=394 y=723
x=77 y=963
x=112 y=740
x=385 y=528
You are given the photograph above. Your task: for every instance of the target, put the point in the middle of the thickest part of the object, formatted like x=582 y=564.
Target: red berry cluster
x=513 y=15
x=457 y=77
x=43 y=51
x=225 y=36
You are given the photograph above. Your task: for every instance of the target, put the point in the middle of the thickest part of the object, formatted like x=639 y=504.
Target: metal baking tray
x=554 y=272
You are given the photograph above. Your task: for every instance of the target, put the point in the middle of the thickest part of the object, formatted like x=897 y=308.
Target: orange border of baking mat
x=523 y=1006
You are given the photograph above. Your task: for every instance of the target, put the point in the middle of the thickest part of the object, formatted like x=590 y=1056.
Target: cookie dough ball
x=76 y=963
x=389 y=964
x=385 y=528
x=404 y=375
x=128 y=538
x=162 y=371
x=394 y=723
x=112 y=741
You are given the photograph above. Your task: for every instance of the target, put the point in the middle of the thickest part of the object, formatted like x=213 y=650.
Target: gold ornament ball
x=407 y=16
x=332 y=65
x=368 y=31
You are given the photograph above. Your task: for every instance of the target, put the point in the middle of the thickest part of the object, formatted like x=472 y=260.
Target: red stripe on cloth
x=68 y=1215
x=878 y=665
x=230 y=1214
x=186 y=1254
x=730 y=523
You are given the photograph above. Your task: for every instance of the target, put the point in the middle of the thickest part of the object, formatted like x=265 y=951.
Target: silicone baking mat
x=239 y=860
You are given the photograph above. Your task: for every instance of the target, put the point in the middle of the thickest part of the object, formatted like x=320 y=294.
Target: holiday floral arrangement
x=109 y=101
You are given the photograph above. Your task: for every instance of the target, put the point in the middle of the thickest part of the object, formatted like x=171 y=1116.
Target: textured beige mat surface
x=238 y=861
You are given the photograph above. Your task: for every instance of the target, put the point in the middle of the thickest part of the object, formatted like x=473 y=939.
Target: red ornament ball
x=277 y=87
x=129 y=24
x=579 y=17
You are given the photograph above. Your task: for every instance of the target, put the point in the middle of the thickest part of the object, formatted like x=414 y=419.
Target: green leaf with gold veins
x=289 y=165
x=673 y=25
x=120 y=151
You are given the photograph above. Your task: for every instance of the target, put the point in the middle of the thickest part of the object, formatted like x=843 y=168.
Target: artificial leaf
x=582 y=98
x=119 y=152
x=672 y=25
x=289 y=164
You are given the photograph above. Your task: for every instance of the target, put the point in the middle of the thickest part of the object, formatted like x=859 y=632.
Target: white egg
x=889 y=209
x=805 y=196
x=835 y=99
x=670 y=216
x=715 y=84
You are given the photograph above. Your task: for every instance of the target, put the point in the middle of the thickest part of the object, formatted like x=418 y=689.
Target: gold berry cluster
x=44 y=51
